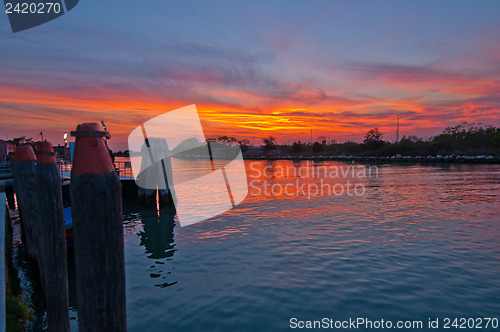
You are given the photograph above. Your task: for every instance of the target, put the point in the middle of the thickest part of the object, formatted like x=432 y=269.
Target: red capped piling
x=24 y=153
x=52 y=255
x=91 y=155
x=23 y=170
x=45 y=153
x=39 y=199
x=98 y=233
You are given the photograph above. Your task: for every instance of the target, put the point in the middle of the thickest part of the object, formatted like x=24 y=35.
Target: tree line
x=465 y=138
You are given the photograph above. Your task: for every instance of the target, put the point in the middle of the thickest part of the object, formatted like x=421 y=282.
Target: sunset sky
x=255 y=68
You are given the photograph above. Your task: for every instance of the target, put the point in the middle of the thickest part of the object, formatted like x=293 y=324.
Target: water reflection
x=157 y=235
x=422 y=241
x=155 y=229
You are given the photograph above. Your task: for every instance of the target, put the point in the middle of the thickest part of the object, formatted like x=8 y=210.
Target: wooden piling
x=155 y=166
x=165 y=198
x=98 y=234
x=52 y=239
x=147 y=177
x=24 y=169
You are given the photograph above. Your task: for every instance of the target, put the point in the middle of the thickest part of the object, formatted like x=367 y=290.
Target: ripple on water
x=422 y=242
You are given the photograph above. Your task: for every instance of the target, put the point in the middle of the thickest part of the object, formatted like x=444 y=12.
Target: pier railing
x=5 y=170
x=123 y=168
x=64 y=167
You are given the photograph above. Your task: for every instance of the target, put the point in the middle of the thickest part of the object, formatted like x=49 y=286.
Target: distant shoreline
x=450 y=159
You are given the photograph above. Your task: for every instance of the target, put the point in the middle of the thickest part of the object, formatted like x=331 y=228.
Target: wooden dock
x=3 y=212
x=124 y=169
x=6 y=184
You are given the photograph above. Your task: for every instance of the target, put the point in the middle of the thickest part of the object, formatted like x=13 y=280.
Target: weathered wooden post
x=163 y=169
x=98 y=232
x=155 y=167
x=165 y=197
x=23 y=169
x=147 y=176
x=52 y=239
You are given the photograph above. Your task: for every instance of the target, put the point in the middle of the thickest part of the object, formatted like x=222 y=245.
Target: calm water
x=422 y=242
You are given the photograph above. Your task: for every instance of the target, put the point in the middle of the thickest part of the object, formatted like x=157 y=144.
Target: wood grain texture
x=99 y=257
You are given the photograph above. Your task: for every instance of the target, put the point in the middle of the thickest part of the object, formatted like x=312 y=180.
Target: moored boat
x=68 y=222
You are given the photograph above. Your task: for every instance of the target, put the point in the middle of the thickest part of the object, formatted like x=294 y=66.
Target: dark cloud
x=409 y=74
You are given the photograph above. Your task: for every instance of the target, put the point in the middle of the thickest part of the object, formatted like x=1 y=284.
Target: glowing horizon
x=296 y=68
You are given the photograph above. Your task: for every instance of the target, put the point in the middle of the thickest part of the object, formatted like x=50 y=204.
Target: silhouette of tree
x=317 y=147
x=297 y=147
x=373 y=135
x=410 y=139
x=269 y=143
x=226 y=139
x=23 y=140
x=244 y=142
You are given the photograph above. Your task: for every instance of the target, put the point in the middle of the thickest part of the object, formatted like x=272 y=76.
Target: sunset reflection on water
x=423 y=240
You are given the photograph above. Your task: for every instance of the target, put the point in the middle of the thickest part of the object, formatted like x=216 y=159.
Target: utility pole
x=397 y=132
x=311 y=136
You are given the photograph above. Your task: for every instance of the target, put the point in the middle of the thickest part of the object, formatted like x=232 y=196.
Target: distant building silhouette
x=3 y=150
